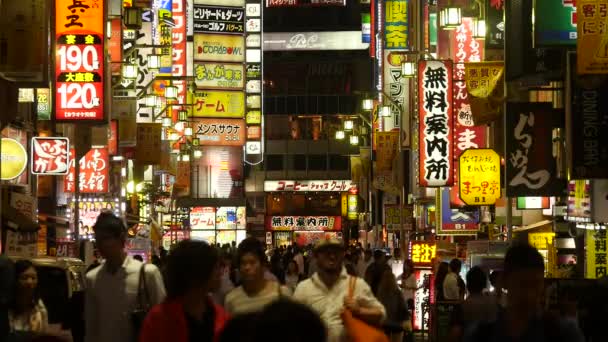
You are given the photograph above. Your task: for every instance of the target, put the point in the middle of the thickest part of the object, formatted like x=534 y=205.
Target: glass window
x=274 y=162
x=317 y=162
x=298 y=162
x=338 y=162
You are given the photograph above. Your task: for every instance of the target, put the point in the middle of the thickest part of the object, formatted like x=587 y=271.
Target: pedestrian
x=286 y=320
x=326 y=292
x=478 y=306
x=299 y=259
x=523 y=318
x=7 y=274
x=364 y=263
x=408 y=283
x=374 y=272
x=256 y=291
x=292 y=276
x=287 y=256
x=442 y=271
x=396 y=308
x=453 y=285
x=112 y=288
x=226 y=285
x=138 y=257
x=276 y=265
x=497 y=288
x=189 y=313
x=27 y=314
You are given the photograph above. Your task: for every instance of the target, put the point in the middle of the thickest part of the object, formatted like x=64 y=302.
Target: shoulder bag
x=142 y=305
x=356 y=329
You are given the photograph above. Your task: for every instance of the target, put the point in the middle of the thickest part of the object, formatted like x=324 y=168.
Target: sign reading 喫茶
x=436 y=123
x=79 y=66
x=50 y=156
x=94 y=171
x=225 y=104
x=218 y=19
x=219 y=76
x=219 y=132
x=597 y=264
x=592 y=43
x=479 y=176
x=396 y=24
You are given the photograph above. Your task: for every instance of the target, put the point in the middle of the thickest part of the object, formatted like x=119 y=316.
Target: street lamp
x=368 y=104
x=129 y=71
x=349 y=125
x=450 y=17
x=340 y=135
x=354 y=140
x=408 y=69
x=479 y=28
x=385 y=111
x=182 y=115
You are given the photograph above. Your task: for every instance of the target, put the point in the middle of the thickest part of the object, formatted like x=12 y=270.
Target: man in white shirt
x=112 y=287
x=299 y=259
x=453 y=285
x=326 y=292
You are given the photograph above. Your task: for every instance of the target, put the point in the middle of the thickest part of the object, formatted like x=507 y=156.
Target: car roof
x=53 y=261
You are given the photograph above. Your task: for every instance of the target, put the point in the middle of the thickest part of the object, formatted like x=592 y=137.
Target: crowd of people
x=199 y=292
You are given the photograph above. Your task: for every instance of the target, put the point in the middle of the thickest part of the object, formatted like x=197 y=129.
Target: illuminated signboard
x=50 y=156
x=254 y=147
x=353 y=206
x=219 y=76
x=218 y=19
x=219 y=48
x=220 y=132
x=225 y=104
x=396 y=24
x=310 y=185
x=94 y=172
x=202 y=218
x=524 y=203
x=304 y=223
x=422 y=253
x=340 y=40
x=14 y=158
x=479 y=176
x=597 y=265
x=436 y=123
x=79 y=66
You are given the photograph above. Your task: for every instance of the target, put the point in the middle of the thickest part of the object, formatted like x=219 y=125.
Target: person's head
x=476 y=280
x=292 y=267
x=110 y=236
x=524 y=277
x=192 y=269
x=25 y=284
x=379 y=256
x=284 y=317
x=388 y=284
x=156 y=260
x=138 y=257
x=455 y=265
x=442 y=272
x=495 y=279
x=408 y=267
x=252 y=259
x=233 y=243
x=329 y=255
x=367 y=255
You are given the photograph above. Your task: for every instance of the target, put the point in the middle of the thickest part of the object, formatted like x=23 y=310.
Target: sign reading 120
x=79 y=46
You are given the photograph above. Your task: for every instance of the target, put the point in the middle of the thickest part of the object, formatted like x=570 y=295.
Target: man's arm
x=90 y=306
x=155 y=284
x=368 y=308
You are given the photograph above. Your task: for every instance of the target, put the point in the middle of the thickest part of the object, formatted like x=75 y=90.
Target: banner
x=456 y=221
x=495 y=25
x=592 y=43
x=387 y=145
x=588 y=126
x=596 y=254
x=94 y=172
x=436 y=123
x=219 y=48
x=79 y=66
x=484 y=82
x=479 y=177
x=179 y=61
x=219 y=132
x=530 y=166
x=310 y=185
x=149 y=139
x=50 y=156
x=219 y=76
x=555 y=22
x=396 y=27
x=224 y=104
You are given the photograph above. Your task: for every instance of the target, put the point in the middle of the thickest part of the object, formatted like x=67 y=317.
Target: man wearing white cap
x=326 y=291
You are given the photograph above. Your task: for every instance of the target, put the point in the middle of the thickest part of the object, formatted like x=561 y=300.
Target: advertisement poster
x=224 y=104
x=456 y=220
x=50 y=155
x=479 y=177
x=558 y=22
x=530 y=168
x=305 y=238
x=219 y=48
x=588 y=125
x=592 y=43
x=396 y=27
x=436 y=123
x=596 y=254
x=94 y=172
x=88 y=211
x=219 y=76
x=79 y=67
x=219 y=132
x=579 y=201
x=219 y=173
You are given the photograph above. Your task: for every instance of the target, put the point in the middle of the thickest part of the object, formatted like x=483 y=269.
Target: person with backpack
x=523 y=318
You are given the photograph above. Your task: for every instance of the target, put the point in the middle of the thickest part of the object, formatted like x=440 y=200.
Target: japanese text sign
x=592 y=43
x=555 y=22
x=396 y=85
x=202 y=218
x=479 y=176
x=304 y=223
x=224 y=104
x=50 y=156
x=218 y=19
x=579 y=201
x=94 y=172
x=597 y=265
x=541 y=240
x=436 y=123
x=220 y=132
x=482 y=78
x=179 y=55
x=387 y=145
x=148 y=143
x=219 y=48
x=43 y=103
x=495 y=24
x=219 y=76
x=310 y=185
x=530 y=166
x=79 y=66
x=396 y=24
x=422 y=253
x=456 y=221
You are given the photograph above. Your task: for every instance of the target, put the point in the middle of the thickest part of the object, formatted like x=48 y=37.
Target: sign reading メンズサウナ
x=220 y=132
x=79 y=66
x=219 y=48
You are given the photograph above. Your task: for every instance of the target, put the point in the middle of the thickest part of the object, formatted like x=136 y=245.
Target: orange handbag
x=356 y=329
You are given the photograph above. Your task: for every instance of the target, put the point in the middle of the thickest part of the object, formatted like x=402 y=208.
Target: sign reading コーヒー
x=310 y=185
x=479 y=176
x=79 y=66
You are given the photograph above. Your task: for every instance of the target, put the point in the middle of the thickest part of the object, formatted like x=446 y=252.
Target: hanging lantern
x=354 y=140
x=408 y=69
x=150 y=100
x=188 y=131
x=349 y=125
x=450 y=17
x=479 y=28
x=198 y=154
x=129 y=71
x=167 y=122
x=153 y=61
x=385 y=111
x=340 y=135
x=182 y=115
x=171 y=92
x=368 y=104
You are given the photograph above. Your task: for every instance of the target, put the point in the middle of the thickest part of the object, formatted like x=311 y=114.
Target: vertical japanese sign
x=163 y=35
x=555 y=22
x=179 y=51
x=456 y=221
x=79 y=60
x=597 y=264
x=148 y=143
x=115 y=45
x=397 y=88
x=495 y=35
x=592 y=43
x=50 y=156
x=43 y=103
x=435 y=123
x=531 y=168
x=254 y=146
x=479 y=176
x=387 y=144
x=588 y=126
x=579 y=201
x=396 y=25
x=94 y=172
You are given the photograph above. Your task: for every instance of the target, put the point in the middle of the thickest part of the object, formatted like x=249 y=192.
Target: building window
x=338 y=162
x=317 y=162
x=298 y=162
x=274 y=162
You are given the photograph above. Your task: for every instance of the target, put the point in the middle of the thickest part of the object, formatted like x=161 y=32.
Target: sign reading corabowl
x=219 y=48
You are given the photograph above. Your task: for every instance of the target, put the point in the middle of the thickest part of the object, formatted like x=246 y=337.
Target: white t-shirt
x=239 y=302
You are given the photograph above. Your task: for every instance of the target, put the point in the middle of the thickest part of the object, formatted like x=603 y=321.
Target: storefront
x=221 y=225
x=89 y=208
x=303 y=230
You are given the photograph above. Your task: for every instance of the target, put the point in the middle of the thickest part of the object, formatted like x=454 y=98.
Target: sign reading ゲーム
x=479 y=176
x=226 y=104
x=79 y=66
x=50 y=156
x=310 y=185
